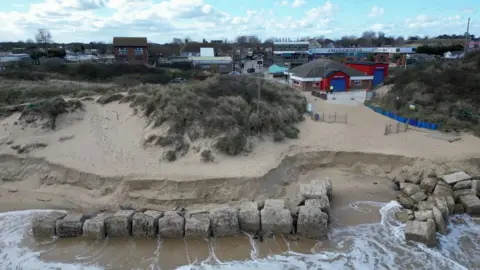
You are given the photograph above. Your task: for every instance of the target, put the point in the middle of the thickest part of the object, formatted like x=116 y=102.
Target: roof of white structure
x=207 y=52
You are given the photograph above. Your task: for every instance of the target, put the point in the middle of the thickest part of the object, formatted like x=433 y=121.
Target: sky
x=162 y=20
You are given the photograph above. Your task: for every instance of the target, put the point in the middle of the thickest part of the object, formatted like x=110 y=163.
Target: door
x=378 y=77
x=339 y=84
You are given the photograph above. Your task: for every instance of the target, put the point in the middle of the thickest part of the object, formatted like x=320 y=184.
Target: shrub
x=109 y=98
x=207 y=156
x=225 y=107
x=170 y=155
x=278 y=136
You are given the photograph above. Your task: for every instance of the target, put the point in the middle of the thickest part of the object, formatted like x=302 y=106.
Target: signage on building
x=338 y=77
x=362 y=50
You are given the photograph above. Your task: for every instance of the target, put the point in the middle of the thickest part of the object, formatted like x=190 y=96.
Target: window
x=138 y=51
x=296 y=82
x=357 y=82
x=122 y=51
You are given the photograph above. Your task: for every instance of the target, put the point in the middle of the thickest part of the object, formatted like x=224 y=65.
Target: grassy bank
x=443 y=92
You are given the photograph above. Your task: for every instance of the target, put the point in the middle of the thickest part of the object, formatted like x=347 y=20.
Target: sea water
x=379 y=245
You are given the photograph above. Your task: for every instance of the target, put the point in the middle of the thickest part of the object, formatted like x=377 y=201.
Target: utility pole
x=467 y=36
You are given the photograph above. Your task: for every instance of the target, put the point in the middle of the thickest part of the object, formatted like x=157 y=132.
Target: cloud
x=424 y=21
x=283 y=3
x=469 y=10
x=298 y=3
x=376 y=11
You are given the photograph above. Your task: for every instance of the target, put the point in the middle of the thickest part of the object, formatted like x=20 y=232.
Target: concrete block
x=70 y=226
x=455 y=177
x=421 y=231
x=224 y=222
x=471 y=203
x=467 y=184
x=171 y=225
x=45 y=224
x=310 y=191
x=197 y=225
x=249 y=217
x=322 y=203
x=276 y=219
x=119 y=224
x=146 y=224
x=423 y=215
x=312 y=223
x=94 y=228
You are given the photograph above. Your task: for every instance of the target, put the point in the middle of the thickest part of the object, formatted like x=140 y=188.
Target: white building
x=453 y=55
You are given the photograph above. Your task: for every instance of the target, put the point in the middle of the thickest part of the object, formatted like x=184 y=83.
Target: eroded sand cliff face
x=35 y=181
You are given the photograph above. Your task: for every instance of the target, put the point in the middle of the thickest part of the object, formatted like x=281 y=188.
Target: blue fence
x=411 y=122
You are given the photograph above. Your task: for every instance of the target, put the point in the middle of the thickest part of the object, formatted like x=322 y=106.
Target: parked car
x=251 y=70
x=178 y=80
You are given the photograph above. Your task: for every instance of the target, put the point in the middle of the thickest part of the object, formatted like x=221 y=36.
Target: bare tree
x=187 y=40
x=29 y=41
x=44 y=37
x=241 y=39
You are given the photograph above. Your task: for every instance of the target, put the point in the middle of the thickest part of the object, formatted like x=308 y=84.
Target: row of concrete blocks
x=275 y=217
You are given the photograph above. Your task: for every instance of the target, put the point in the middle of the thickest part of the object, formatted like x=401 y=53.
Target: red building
x=326 y=74
x=379 y=71
x=133 y=50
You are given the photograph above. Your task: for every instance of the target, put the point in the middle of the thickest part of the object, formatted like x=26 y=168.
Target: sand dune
x=108 y=141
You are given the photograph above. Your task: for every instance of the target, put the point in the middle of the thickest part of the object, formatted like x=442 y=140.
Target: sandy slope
x=108 y=142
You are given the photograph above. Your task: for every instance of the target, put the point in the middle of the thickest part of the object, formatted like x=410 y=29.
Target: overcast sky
x=162 y=20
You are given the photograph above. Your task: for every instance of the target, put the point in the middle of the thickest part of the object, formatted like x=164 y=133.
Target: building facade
x=379 y=71
x=132 y=50
x=290 y=53
x=328 y=75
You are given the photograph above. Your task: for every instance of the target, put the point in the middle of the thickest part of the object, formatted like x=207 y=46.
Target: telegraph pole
x=467 y=37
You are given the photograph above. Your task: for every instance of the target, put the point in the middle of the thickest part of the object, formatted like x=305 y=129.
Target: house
x=277 y=71
x=326 y=74
x=453 y=55
x=133 y=50
x=379 y=71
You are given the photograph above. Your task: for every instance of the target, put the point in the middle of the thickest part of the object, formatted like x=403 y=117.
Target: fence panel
x=333 y=117
x=411 y=122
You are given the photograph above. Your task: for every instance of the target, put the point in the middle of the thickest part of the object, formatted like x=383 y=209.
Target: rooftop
x=130 y=41
x=322 y=68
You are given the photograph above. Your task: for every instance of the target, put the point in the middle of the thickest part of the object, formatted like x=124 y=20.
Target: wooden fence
x=395 y=128
x=330 y=117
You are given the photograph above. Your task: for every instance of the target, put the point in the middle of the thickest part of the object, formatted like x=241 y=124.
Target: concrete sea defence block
x=419 y=196
x=313 y=191
x=428 y=184
x=45 y=224
x=95 y=227
x=471 y=203
x=421 y=231
x=312 y=223
x=442 y=189
x=275 y=218
x=476 y=187
x=456 y=177
x=70 y=226
x=461 y=192
x=197 y=225
x=409 y=189
x=467 y=184
x=171 y=225
x=439 y=221
x=145 y=224
x=224 y=222
x=423 y=215
x=119 y=224
x=249 y=217
x=327 y=183
x=322 y=203
x=294 y=201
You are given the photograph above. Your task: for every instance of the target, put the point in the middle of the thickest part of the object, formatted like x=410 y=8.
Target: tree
x=187 y=40
x=177 y=41
x=399 y=41
x=44 y=37
x=29 y=41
